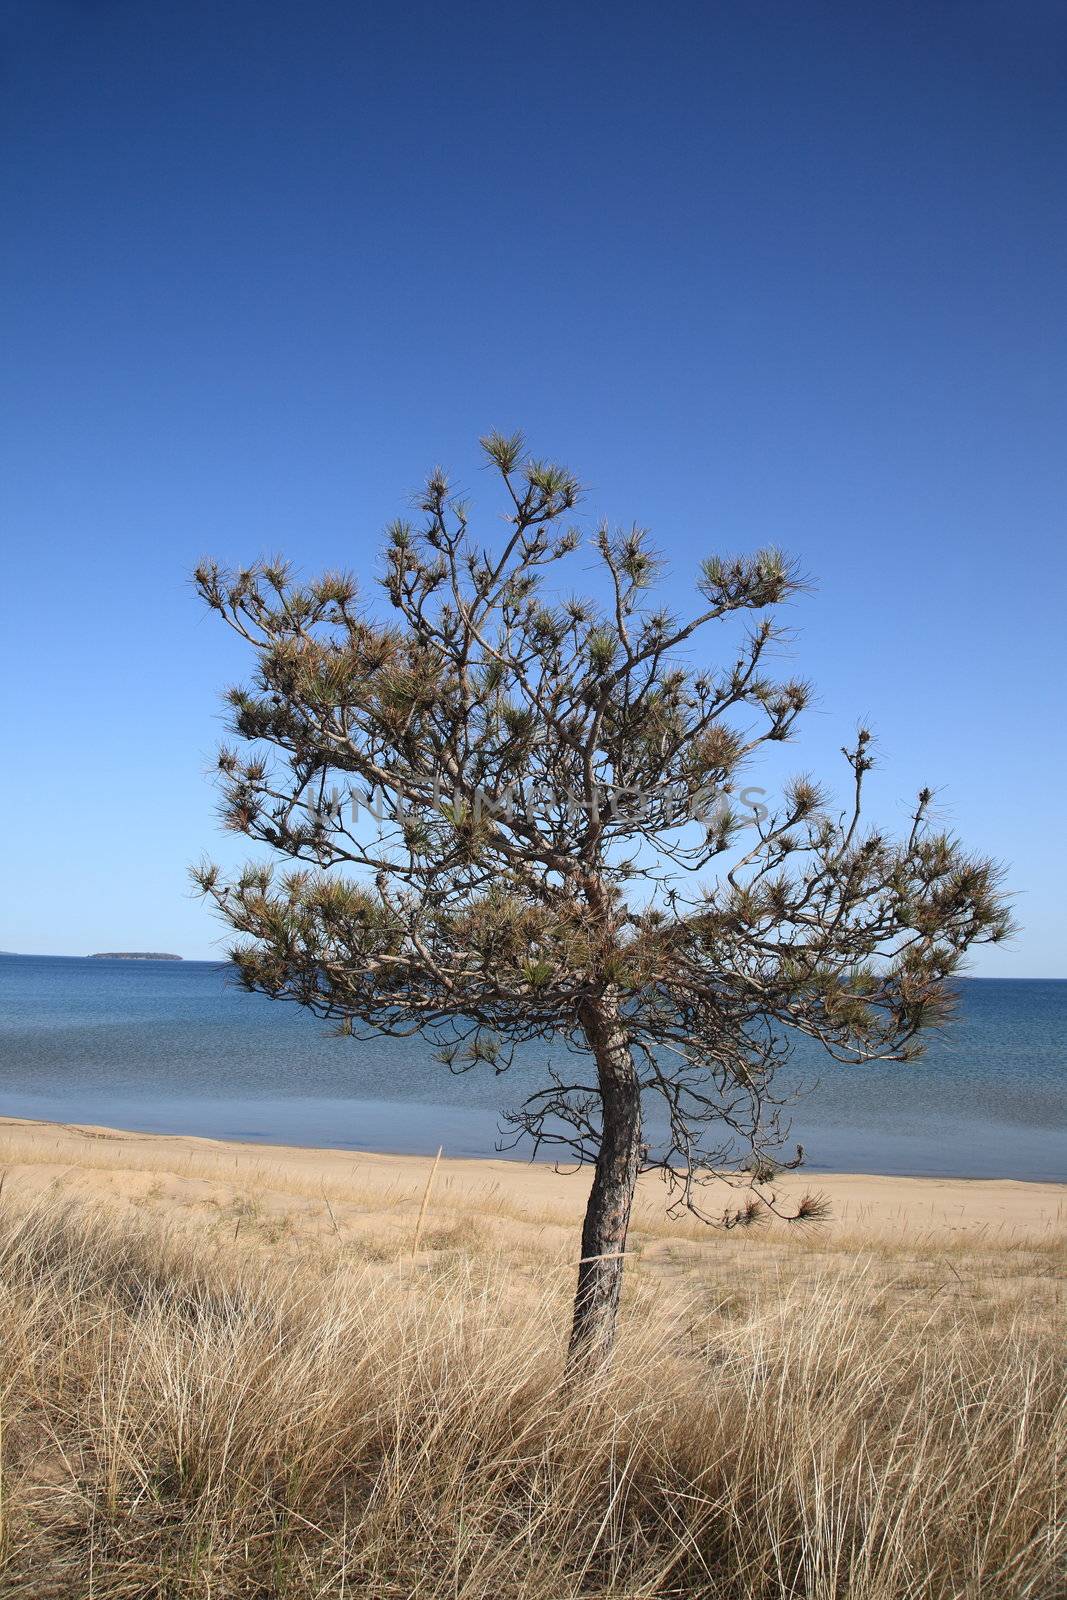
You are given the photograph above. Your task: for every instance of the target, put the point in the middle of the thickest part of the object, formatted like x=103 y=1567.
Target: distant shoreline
x=224 y=961
x=133 y=955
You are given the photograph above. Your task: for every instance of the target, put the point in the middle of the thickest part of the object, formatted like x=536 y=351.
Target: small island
x=133 y=955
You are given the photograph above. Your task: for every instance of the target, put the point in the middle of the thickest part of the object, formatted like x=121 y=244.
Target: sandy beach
x=362 y=1193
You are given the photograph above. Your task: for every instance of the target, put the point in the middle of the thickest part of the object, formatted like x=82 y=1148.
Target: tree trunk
x=607 y=1216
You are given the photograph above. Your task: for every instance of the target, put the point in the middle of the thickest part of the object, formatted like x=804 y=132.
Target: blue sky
x=785 y=272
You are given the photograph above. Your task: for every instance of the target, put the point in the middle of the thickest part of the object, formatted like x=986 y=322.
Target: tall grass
x=194 y=1414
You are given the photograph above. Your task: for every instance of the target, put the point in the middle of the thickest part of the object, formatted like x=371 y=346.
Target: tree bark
x=607 y=1216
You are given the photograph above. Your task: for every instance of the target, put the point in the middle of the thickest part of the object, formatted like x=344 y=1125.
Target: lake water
x=174 y=1047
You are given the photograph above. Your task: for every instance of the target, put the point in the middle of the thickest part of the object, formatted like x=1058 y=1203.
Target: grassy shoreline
x=233 y=1370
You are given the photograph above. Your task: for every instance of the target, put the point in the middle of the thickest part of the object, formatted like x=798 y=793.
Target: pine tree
x=538 y=837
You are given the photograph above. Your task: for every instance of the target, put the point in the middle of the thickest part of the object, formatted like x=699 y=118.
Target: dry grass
x=220 y=1380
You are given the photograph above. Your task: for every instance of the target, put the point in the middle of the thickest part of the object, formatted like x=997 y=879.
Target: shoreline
x=469 y=1134
x=113 y=1160
x=808 y=1175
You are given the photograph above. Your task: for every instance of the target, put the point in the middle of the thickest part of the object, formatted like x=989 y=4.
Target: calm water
x=172 y=1047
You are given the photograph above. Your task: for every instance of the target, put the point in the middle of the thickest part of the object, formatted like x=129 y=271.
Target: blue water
x=173 y=1047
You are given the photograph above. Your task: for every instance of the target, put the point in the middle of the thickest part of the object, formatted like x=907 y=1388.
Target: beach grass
x=235 y=1375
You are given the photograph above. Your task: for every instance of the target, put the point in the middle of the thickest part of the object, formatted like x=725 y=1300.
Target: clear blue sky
x=782 y=271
